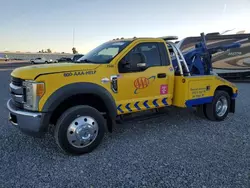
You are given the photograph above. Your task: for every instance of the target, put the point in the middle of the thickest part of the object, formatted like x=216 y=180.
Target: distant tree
x=74 y=50
x=49 y=51
x=42 y=51
x=63 y=52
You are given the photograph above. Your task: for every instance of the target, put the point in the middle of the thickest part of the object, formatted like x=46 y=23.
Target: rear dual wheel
x=218 y=109
x=79 y=130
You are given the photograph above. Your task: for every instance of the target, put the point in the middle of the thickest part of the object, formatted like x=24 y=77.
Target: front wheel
x=79 y=130
x=219 y=108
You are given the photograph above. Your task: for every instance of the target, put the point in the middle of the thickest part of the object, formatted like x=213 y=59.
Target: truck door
x=151 y=87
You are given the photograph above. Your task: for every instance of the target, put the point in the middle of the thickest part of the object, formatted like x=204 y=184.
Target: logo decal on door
x=164 y=89
x=142 y=83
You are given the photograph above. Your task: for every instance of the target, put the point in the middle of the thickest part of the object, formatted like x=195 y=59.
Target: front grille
x=16 y=81
x=17 y=91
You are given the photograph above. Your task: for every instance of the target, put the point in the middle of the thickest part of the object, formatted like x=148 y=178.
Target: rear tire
x=201 y=111
x=220 y=106
x=79 y=130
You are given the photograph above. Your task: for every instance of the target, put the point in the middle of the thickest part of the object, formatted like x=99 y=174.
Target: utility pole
x=73 y=37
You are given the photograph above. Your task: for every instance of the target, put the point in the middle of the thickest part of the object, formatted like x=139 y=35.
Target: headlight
x=34 y=92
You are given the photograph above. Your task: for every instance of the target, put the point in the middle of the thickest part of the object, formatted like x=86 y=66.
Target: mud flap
x=232 y=106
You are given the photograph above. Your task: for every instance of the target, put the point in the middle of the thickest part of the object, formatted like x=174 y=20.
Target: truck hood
x=32 y=71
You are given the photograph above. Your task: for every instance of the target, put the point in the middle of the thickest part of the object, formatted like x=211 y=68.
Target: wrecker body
x=79 y=101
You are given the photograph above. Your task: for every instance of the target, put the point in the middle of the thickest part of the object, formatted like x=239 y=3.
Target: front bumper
x=28 y=122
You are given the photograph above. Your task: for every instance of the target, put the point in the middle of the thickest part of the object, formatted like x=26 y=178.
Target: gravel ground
x=177 y=150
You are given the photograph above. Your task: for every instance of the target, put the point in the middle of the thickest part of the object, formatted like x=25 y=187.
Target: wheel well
x=226 y=88
x=80 y=99
x=229 y=90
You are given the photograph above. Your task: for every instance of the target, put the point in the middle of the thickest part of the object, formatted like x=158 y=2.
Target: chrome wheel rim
x=221 y=106
x=82 y=131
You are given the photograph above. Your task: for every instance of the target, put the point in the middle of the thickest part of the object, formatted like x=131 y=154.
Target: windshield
x=104 y=53
x=76 y=57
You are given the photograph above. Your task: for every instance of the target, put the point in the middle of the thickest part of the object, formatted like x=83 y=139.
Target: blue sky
x=32 y=25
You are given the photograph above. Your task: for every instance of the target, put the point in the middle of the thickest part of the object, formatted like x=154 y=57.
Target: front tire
x=79 y=130
x=219 y=108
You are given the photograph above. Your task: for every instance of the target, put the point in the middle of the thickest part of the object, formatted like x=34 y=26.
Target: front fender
x=80 y=88
x=77 y=88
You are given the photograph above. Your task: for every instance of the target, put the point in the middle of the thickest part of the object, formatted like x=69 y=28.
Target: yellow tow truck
x=79 y=101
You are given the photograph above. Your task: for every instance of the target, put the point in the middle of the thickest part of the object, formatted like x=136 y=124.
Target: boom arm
x=200 y=59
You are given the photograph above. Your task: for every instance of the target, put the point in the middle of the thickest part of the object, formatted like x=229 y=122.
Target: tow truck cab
x=78 y=101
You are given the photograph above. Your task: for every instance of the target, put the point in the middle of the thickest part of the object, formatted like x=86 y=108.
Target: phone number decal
x=78 y=73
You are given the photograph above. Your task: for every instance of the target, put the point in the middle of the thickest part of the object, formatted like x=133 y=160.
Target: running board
x=141 y=116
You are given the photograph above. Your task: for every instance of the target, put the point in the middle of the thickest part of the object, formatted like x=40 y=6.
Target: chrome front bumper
x=27 y=122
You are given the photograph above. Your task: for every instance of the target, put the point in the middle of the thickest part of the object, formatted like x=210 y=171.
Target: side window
x=151 y=53
x=165 y=57
x=149 y=50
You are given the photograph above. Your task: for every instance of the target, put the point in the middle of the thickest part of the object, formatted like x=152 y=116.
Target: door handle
x=161 y=75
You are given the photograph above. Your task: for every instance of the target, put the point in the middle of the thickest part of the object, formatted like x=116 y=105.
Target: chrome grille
x=17 y=92
x=16 y=81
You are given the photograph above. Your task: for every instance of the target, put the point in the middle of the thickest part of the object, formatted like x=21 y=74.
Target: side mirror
x=141 y=65
x=138 y=61
x=133 y=62
x=125 y=64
